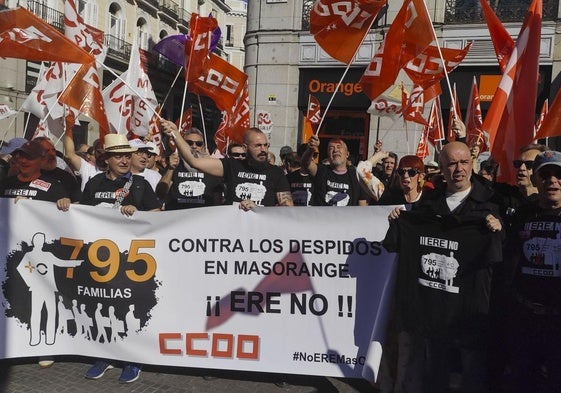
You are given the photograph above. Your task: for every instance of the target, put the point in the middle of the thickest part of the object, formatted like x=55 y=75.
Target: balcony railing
x=169 y=8
x=117 y=47
x=49 y=15
x=469 y=11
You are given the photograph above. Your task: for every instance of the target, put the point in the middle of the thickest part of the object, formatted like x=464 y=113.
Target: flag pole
x=343 y=77
x=441 y=59
x=202 y=120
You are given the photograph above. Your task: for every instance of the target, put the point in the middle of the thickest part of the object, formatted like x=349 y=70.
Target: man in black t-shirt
x=335 y=184
x=300 y=181
x=118 y=187
x=251 y=182
x=533 y=269
x=29 y=182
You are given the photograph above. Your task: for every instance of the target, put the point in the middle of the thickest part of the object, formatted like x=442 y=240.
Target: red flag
x=234 y=122
x=510 y=119
x=426 y=69
x=414 y=106
x=502 y=41
x=474 y=121
x=26 y=36
x=455 y=113
x=185 y=122
x=198 y=49
x=83 y=93
x=551 y=125
x=312 y=118
x=423 y=146
x=339 y=28
x=222 y=312
x=409 y=34
x=220 y=81
x=436 y=124
x=539 y=122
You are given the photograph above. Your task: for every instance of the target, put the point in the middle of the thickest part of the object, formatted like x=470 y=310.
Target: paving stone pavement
x=67 y=376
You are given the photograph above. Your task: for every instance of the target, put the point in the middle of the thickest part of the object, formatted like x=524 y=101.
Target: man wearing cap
x=534 y=279
x=188 y=187
x=251 y=182
x=6 y=154
x=29 y=182
x=139 y=162
x=118 y=187
x=335 y=184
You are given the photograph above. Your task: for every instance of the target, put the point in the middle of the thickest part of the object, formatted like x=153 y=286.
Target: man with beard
x=335 y=184
x=251 y=182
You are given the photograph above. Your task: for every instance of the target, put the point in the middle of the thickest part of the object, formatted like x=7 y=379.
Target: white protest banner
x=287 y=290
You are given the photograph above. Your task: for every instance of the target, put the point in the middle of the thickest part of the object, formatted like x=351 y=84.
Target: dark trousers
x=433 y=359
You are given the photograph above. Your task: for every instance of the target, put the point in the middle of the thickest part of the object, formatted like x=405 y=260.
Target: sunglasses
x=315 y=154
x=546 y=173
x=518 y=163
x=237 y=154
x=198 y=143
x=411 y=172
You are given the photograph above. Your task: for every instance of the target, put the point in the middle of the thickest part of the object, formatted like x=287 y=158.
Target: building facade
x=285 y=65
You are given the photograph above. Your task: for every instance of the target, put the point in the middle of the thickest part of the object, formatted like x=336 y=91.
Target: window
x=229 y=35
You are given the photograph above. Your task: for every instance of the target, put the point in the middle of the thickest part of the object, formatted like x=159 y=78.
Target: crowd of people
x=502 y=335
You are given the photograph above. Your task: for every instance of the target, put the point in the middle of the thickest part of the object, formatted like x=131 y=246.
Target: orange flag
x=474 y=120
x=83 y=93
x=502 y=41
x=26 y=36
x=551 y=125
x=234 y=122
x=312 y=118
x=220 y=81
x=409 y=34
x=198 y=49
x=510 y=118
x=423 y=146
x=340 y=33
x=543 y=114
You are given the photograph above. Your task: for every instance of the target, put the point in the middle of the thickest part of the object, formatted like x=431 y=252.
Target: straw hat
x=117 y=143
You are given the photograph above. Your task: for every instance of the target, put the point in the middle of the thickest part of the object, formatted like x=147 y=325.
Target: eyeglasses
x=237 y=155
x=315 y=154
x=546 y=173
x=198 y=143
x=518 y=163
x=411 y=172
x=141 y=152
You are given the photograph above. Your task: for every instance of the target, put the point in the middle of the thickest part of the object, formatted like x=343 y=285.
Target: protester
x=236 y=150
x=300 y=181
x=411 y=174
x=6 y=155
x=118 y=188
x=335 y=184
x=49 y=167
x=252 y=182
x=534 y=277
x=444 y=304
x=188 y=187
x=139 y=162
x=29 y=182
